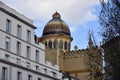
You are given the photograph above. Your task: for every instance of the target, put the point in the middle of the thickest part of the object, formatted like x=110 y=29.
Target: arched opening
x=50 y=44
x=46 y=43
x=61 y=44
x=65 y=45
x=69 y=46
x=55 y=44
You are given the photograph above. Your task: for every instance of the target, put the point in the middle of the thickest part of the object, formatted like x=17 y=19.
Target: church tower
x=90 y=42
x=56 y=34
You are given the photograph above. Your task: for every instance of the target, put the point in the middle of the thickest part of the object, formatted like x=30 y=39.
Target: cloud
x=75 y=12
x=73 y=28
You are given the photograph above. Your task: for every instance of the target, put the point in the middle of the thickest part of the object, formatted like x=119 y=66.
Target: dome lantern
x=56 y=15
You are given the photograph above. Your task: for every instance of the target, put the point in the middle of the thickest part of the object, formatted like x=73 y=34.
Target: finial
x=56 y=15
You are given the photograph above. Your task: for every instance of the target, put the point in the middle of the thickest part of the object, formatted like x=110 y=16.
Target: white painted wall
x=12 y=73
x=13 y=36
x=12 y=53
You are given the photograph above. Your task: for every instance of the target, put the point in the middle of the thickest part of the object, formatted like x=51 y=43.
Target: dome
x=56 y=26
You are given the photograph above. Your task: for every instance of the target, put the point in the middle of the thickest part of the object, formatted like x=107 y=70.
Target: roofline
x=14 y=16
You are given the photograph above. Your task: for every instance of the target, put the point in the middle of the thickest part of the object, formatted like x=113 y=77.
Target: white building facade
x=21 y=58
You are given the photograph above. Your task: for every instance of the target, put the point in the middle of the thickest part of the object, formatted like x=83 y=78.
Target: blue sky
x=80 y=15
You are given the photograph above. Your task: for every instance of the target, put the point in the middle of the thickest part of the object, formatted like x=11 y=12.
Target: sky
x=80 y=15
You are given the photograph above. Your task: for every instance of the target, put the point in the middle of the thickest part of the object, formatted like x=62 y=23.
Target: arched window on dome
x=61 y=44
x=55 y=44
x=50 y=44
x=46 y=43
x=65 y=45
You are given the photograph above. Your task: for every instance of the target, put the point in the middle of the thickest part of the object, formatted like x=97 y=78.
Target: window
x=55 y=44
x=65 y=45
x=18 y=48
x=7 y=56
x=19 y=76
x=28 y=36
x=39 y=78
x=8 y=25
x=37 y=56
x=7 y=44
x=28 y=64
x=4 y=73
x=61 y=44
x=45 y=70
x=54 y=74
x=29 y=77
x=35 y=38
x=69 y=45
x=19 y=31
x=28 y=52
x=50 y=44
x=37 y=67
x=46 y=43
x=18 y=61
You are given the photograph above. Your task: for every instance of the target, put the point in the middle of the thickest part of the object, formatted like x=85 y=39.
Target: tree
x=110 y=31
x=110 y=19
x=112 y=59
x=93 y=59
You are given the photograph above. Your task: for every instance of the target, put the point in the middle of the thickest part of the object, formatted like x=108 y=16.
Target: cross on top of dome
x=56 y=15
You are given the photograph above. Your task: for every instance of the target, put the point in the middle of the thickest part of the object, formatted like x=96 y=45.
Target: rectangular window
x=19 y=76
x=45 y=70
x=29 y=77
x=7 y=44
x=18 y=61
x=4 y=73
x=28 y=64
x=28 y=36
x=54 y=74
x=37 y=56
x=7 y=56
x=8 y=25
x=39 y=78
x=28 y=52
x=37 y=67
x=18 y=48
x=19 y=31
